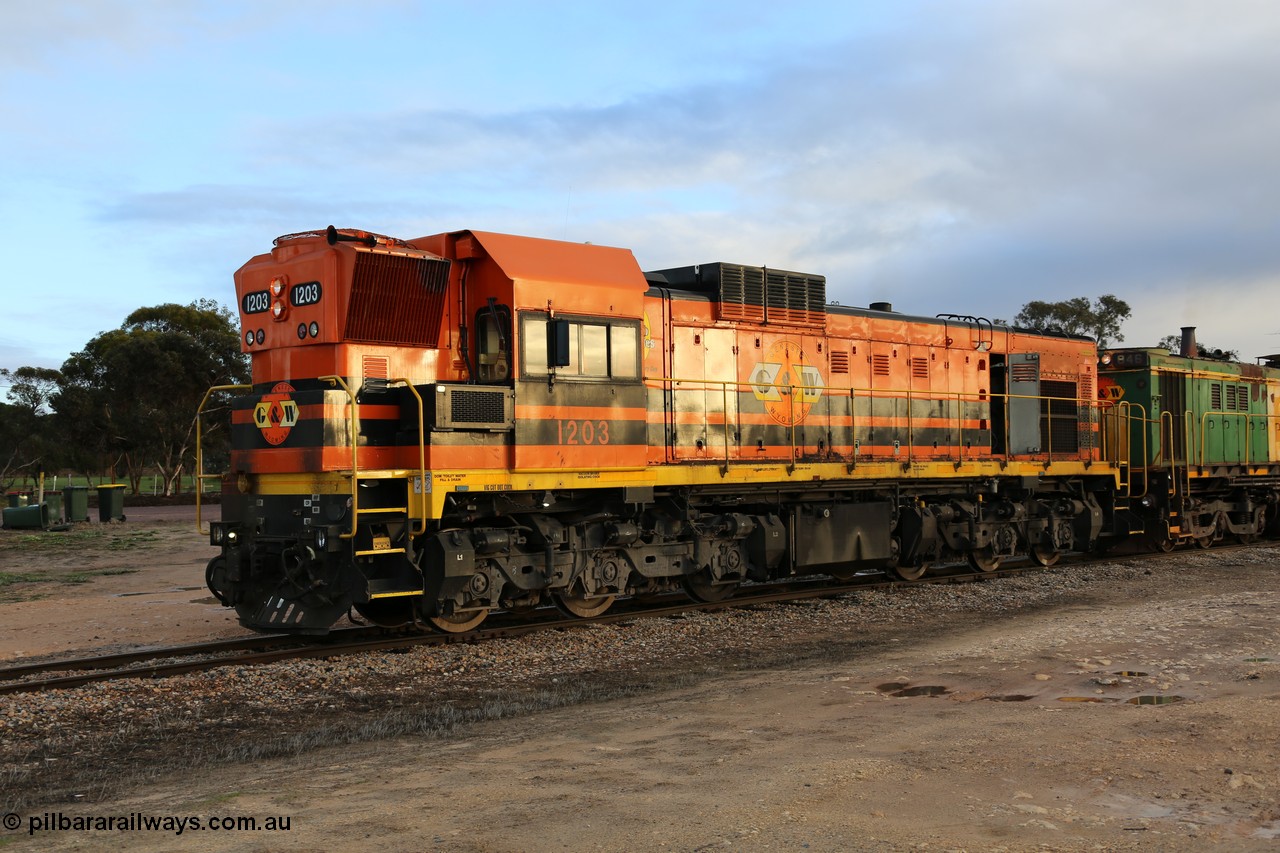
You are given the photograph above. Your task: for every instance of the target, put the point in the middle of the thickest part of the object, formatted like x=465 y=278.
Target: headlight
x=232 y=537
x=322 y=536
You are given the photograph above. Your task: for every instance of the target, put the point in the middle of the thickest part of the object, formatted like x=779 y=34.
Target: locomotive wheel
x=1045 y=555
x=984 y=560
x=843 y=574
x=1164 y=545
x=458 y=623
x=1205 y=541
x=700 y=588
x=575 y=604
x=907 y=573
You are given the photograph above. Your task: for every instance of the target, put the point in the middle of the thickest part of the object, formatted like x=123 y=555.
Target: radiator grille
x=397 y=299
x=472 y=407
x=476 y=407
x=1059 y=418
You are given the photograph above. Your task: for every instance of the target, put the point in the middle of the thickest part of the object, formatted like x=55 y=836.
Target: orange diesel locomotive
x=447 y=426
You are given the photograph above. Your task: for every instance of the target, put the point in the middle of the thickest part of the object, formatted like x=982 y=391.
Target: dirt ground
x=157 y=598
x=1015 y=734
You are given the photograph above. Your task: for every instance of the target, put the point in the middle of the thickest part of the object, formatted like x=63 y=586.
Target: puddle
x=928 y=690
x=207 y=600
x=1084 y=699
x=1155 y=700
x=1015 y=697
x=1257 y=660
x=891 y=686
x=1130 y=673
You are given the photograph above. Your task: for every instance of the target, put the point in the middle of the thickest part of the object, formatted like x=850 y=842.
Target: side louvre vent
x=796 y=299
x=880 y=365
x=1025 y=371
x=756 y=294
x=920 y=368
x=741 y=293
x=839 y=361
x=397 y=299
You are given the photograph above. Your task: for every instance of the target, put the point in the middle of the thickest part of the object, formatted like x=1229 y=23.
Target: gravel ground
x=770 y=727
x=86 y=743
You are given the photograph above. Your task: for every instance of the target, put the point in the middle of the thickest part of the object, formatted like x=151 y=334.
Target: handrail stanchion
x=421 y=524
x=201 y=476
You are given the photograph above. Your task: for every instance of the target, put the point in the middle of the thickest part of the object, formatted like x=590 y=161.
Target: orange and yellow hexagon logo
x=786 y=383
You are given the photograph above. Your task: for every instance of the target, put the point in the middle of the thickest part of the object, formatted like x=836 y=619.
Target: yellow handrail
x=421 y=522
x=907 y=394
x=201 y=476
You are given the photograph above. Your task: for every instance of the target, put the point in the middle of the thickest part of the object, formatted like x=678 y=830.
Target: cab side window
x=493 y=343
x=597 y=348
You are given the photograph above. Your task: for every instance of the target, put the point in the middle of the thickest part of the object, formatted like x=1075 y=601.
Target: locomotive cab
x=383 y=369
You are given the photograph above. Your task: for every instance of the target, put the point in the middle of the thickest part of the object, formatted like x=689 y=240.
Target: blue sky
x=961 y=157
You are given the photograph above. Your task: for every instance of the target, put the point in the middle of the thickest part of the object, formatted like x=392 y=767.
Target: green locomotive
x=1202 y=440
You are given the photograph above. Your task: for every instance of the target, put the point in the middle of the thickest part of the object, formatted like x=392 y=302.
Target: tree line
x=126 y=403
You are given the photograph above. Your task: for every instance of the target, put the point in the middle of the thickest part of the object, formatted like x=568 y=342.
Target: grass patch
x=81 y=538
x=10 y=578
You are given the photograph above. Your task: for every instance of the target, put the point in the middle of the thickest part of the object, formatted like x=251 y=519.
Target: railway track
x=263 y=649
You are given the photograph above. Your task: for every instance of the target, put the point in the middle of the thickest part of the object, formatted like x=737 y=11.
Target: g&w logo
x=276 y=413
x=786 y=384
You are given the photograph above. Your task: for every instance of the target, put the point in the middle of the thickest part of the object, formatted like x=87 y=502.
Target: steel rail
x=110 y=667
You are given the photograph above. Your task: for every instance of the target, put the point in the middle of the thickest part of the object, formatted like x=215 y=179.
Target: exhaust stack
x=1189 y=348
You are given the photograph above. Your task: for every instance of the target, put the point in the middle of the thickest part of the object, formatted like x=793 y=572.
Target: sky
x=948 y=157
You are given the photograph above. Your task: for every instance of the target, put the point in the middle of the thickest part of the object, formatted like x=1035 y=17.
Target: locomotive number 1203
x=582 y=432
